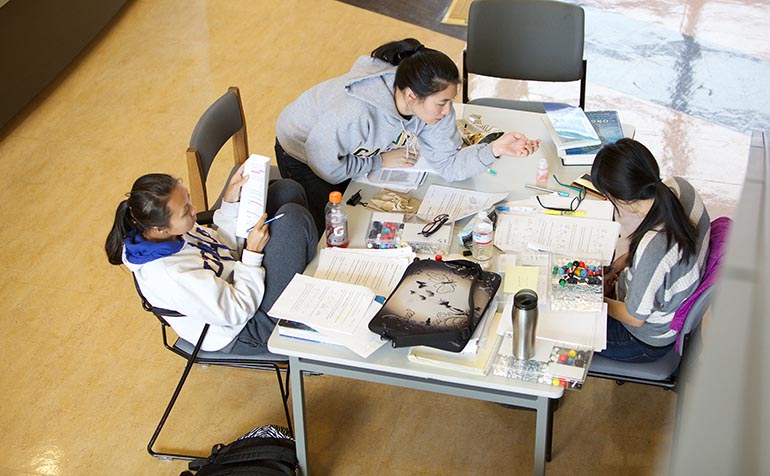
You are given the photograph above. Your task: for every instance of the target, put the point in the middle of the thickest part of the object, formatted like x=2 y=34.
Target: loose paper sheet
x=583 y=237
x=253 y=194
x=323 y=305
x=399 y=180
x=457 y=203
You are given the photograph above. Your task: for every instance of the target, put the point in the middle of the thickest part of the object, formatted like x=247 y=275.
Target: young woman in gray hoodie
x=392 y=108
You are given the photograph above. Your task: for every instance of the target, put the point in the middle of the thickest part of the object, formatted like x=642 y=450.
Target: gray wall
x=725 y=418
x=38 y=38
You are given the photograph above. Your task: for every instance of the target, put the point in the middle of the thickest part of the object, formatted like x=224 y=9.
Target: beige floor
x=85 y=375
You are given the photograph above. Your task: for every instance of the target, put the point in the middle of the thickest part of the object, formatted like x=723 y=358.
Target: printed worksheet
x=456 y=202
x=584 y=237
x=323 y=304
x=378 y=270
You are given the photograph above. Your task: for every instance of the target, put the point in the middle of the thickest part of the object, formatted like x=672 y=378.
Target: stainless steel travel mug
x=524 y=318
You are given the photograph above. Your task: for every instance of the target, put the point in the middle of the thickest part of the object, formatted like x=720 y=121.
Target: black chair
x=193 y=354
x=529 y=40
x=222 y=121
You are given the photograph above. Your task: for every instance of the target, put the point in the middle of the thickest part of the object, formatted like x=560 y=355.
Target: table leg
x=298 y=407
x=542 y=434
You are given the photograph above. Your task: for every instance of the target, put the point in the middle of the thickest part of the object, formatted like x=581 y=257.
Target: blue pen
x=268 y=221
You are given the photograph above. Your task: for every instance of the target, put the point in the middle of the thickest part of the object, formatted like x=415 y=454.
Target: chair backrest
x=222 y=120
x=538 y=40
x=690 y=314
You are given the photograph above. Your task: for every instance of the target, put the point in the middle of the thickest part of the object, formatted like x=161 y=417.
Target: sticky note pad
x=520 y=277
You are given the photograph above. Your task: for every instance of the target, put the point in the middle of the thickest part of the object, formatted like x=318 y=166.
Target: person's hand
x=610 y=279
x=233 y=191
x=515 y=144
x=258 y=236
x=399 y=158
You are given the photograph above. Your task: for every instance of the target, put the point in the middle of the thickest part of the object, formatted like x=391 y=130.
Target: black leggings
x=316 y=188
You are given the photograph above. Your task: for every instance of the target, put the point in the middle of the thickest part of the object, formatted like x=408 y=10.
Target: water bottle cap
x=525 y=299
x=335 y=197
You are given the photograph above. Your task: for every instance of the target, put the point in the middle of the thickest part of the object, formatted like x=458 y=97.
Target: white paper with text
x=253 y=194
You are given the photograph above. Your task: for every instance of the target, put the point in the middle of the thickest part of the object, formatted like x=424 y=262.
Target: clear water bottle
x=336 y=222
x=483 y=237
x=542 y=170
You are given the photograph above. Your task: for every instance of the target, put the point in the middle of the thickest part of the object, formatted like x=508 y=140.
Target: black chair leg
x=177 y=391
x=284 y=388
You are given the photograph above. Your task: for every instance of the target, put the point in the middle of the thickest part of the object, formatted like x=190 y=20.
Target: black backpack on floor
x=265 y=451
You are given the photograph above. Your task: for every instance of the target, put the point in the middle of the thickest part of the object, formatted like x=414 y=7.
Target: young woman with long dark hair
x=392 y=108
x=666 y=256
x=204 y=273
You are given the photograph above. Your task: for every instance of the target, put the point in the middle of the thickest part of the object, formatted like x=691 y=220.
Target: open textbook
x=378 y=271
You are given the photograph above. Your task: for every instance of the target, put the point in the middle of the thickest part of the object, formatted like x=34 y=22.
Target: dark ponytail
x=423 y=70
x=627 y=171
x=145 y=208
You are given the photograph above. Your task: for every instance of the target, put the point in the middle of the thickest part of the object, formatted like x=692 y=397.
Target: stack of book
x=579 y=135
x=569 y=127
x=608 y=128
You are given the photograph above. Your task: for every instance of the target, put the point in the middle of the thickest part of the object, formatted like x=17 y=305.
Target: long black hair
x=144 y=208
x=423 y=70
x=627 y=171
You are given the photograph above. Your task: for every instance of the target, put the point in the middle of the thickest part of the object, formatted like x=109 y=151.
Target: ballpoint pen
x=269 y=220
x=547 y=190
x=514 y=209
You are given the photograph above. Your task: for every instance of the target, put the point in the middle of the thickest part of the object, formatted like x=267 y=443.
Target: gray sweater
x=340 y=127
x=657 y=282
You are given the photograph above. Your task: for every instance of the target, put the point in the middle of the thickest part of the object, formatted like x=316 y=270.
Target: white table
x=391 y=366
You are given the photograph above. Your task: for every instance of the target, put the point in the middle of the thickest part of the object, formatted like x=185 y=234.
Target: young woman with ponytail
x=666 y=256
x=392 y=108
x=206 y=274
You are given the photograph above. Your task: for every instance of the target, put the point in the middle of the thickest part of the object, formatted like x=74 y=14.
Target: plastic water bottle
x=483 y=237
x=542 y=170
x=336 y=222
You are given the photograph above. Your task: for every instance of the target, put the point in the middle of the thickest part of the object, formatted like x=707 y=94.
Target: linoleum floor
x=86 y=377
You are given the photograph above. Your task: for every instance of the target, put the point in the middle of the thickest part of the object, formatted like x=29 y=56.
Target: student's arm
x=617 y=310
x=439 y=146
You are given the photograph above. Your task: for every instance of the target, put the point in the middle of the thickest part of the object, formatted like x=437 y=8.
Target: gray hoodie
x=341 y=126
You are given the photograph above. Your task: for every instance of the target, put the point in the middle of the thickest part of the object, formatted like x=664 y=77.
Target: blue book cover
x=608 y=128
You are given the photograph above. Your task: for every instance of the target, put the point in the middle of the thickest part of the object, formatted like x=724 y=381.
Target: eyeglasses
x=573 y=206
x=573 y=187
x=433 y=226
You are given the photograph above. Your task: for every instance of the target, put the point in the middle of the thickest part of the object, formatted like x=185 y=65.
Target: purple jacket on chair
x=717 y=245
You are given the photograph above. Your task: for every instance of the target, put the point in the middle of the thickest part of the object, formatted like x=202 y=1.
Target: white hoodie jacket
x=206 y=281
